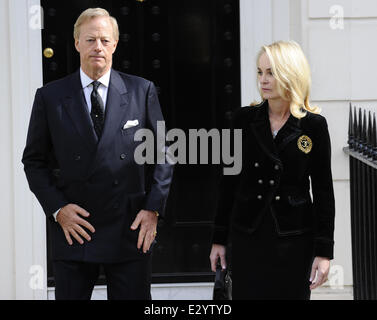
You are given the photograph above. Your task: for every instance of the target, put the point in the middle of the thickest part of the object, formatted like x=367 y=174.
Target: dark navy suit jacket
x=65 y=163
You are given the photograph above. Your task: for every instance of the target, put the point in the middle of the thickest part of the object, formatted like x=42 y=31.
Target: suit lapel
x=262 y=131
x=290 y=131
x=76 y=107
x=116 y=109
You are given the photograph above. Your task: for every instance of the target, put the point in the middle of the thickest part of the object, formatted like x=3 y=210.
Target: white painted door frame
x=262 y=22
x=25 y=76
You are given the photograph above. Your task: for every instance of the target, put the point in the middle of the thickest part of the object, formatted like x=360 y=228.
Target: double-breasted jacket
x=289 y=177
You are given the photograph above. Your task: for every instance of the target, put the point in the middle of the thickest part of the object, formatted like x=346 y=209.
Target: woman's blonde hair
x=291 y=70
x=93 y=13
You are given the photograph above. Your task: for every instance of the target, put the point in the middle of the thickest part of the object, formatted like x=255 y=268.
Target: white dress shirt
x=87 y=86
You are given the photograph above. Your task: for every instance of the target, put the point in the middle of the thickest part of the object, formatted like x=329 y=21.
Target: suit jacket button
x=259 y=197
x=116 y=182
x=78 y=158
x=123 y=156
x=116 y=206
x=276 y=167
x=277 y=198
x=260 y=181
x=256 y=165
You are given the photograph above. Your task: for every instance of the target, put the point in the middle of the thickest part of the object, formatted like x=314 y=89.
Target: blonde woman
x=282 y=238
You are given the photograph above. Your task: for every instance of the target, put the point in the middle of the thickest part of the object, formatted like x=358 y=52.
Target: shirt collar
x=86 y=81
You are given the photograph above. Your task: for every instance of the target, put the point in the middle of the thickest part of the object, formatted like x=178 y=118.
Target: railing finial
x=350 y=129
x=360 y=132
x=369 y=145
x=374 y=138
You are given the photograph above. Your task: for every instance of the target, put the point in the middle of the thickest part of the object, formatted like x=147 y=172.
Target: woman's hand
x=218 y=251
x=320 y=271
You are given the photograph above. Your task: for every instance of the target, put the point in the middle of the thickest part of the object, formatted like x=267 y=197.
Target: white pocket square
x=130 y=124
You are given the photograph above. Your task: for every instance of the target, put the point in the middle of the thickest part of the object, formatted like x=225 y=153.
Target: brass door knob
x=48 y=53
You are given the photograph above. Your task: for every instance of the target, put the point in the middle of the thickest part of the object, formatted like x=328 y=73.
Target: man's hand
x=70 y=221
x=320 y=271
x=147 y=220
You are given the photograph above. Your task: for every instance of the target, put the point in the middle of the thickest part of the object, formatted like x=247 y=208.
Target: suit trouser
x=129 y=280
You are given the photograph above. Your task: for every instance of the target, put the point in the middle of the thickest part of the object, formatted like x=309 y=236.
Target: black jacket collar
x=261 y=128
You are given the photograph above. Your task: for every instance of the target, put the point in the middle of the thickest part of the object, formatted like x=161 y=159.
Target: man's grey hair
x=93 y=13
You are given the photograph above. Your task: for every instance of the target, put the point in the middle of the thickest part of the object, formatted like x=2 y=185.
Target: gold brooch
x=305 y=144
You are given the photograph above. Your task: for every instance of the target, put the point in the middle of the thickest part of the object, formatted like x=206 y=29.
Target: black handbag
x=222 y=289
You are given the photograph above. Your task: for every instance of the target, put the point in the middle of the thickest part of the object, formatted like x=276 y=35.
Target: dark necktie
x=97 y=113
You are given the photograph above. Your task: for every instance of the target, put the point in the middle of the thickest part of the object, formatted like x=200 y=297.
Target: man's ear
x=77 y=45
x=115 y=45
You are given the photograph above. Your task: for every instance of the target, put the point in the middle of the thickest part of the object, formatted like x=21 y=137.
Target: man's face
x=96 y=45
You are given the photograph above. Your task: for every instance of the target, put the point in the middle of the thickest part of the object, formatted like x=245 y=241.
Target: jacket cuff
x=154 y=205
x=324 y=248
x=220 y=236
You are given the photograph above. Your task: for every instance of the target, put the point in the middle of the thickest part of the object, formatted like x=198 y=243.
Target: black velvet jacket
x=275 y=177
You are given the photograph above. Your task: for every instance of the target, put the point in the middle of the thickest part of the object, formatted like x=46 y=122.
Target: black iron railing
x=362 y=149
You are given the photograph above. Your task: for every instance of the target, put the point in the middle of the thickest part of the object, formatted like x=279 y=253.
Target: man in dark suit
x=102 y=207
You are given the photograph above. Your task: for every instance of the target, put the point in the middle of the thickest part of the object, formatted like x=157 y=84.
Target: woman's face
x=266 y=79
